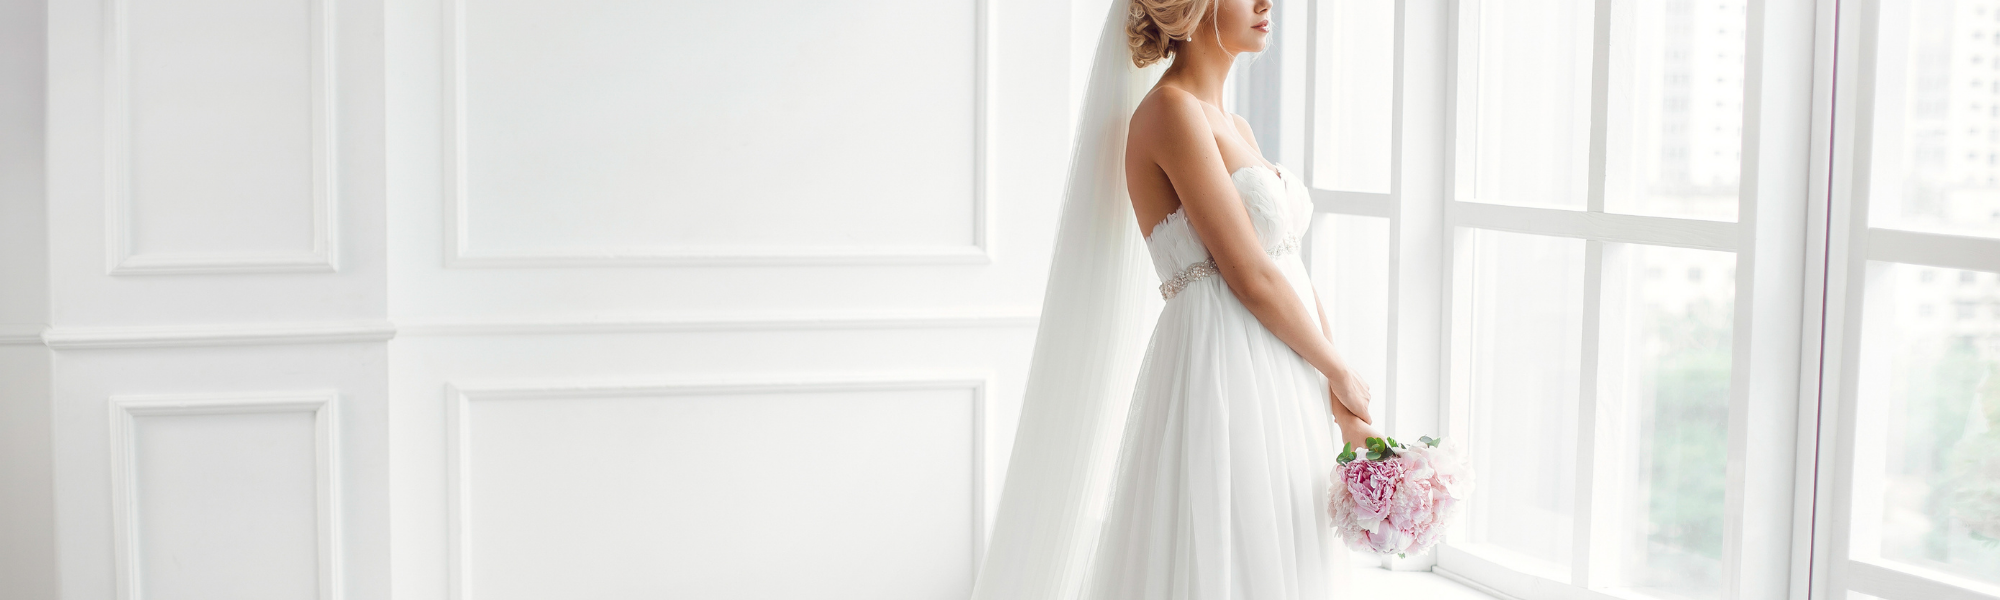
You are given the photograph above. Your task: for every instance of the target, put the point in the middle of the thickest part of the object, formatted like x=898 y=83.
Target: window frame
x=1761 y=429
x=1851 y=244
x=1774 y=403
x=1802 y=268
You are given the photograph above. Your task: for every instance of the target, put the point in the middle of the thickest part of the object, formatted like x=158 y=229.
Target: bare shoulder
x=1170 y=118
x=1169 y=111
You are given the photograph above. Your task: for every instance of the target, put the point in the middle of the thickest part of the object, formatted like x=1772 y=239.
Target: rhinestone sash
x=1196 y=272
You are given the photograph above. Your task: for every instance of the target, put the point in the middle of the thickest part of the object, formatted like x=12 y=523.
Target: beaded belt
x=1195 y=272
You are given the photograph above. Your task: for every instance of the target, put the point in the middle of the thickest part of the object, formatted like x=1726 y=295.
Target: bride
x=1194 y=467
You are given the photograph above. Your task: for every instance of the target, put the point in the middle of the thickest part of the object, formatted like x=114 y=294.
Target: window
x=1914 y=366
x=1348 y=162
x=1596 y=152
x=1587 y=244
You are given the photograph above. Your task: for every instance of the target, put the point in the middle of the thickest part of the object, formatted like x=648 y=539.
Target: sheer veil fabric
x=1097 y=312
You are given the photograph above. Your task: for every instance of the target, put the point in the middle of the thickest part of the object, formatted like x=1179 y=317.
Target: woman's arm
x=1353 y=429
x=1184 y=147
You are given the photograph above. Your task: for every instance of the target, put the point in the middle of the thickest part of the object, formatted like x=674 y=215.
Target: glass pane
x=1525 y=335
x=1930 y=396
x=1350 y=264
x=1669 y=314
x=1676 y=138
x=1532 y=102
x=1936 y=164
x=1356 y=84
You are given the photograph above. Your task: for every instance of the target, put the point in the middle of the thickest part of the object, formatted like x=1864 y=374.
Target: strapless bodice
x=1280 y=208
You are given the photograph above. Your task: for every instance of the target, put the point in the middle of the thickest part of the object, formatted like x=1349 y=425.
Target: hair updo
x=1152 y=27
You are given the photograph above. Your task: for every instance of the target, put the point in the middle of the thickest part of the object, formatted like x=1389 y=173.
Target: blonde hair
x=1152 y=27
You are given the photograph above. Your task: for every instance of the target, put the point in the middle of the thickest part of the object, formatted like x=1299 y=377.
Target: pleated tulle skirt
x=1220 y=488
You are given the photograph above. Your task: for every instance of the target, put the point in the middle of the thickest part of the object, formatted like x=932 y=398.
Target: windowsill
x=1371 y=581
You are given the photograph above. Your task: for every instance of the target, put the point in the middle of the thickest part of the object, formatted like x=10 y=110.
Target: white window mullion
x=1309 y=160
x=1609 y=227
x=1615 y=379
x=1934 y=249
x=1600 y=99
x=1310 y=121
x=1454 y=362
x=1397 y=316
x=1864 y=437
x=1594 y=552
x=1594 y=557
x=1354 y=203
x=1420 y=157
x=1462 y=82
x=1847 y=285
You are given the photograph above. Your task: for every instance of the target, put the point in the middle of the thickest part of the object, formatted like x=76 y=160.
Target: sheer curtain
x=1097 y=315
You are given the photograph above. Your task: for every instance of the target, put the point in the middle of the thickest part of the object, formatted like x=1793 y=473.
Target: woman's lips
x=1264 y=26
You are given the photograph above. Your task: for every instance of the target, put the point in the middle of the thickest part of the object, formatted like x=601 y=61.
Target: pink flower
x=1400 y=504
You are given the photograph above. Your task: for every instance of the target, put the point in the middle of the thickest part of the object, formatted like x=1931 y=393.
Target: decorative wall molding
x=20 y=336
x=459 y=399
x=120 y=256
x=245 y=334
x=280 y=334
x=460 y=253
x=764 y=321
x=124 y=472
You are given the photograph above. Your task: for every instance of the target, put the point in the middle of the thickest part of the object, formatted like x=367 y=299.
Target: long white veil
x=1097 y=316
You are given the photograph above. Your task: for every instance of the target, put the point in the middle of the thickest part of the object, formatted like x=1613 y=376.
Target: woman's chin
x=1257 y=41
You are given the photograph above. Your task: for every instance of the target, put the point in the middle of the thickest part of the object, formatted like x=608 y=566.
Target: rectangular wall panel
x=741 y=490
x=227 y=497
x=695 y=133
x=219 y=144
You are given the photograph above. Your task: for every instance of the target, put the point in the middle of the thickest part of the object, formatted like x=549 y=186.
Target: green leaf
x=1346 y=453
x=1429 y=441
x=1379 y=449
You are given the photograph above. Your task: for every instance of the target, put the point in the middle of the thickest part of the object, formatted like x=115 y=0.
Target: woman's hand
x=1351 y=393
x=1354 y=428
x=1357 y=433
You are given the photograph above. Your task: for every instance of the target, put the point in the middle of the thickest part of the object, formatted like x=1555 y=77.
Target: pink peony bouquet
x=1398 y=499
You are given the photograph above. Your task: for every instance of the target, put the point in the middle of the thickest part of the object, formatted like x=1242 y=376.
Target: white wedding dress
x=1220 y=487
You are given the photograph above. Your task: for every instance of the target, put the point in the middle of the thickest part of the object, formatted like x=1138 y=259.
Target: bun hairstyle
x=1154 y=27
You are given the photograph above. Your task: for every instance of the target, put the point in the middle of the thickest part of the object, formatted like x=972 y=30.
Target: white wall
x=438 y=299
x=216 y=243
x=713 y=299
x=27 y=497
